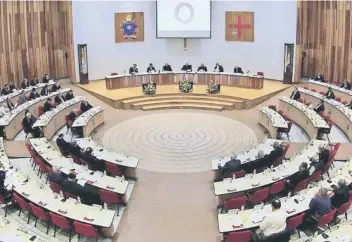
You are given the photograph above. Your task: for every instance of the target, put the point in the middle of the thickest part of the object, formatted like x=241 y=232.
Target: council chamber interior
x=169 y=120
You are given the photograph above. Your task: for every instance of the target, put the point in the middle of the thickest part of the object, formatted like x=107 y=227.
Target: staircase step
x=182 y=101
x=167 y=97
x=180 y=106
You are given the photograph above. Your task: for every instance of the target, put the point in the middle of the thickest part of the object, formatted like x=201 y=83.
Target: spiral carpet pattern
x=178 y=142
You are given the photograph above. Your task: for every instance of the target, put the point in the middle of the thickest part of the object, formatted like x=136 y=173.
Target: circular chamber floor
x=178 y=142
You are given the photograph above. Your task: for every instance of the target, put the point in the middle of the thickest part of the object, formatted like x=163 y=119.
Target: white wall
x=93 y=24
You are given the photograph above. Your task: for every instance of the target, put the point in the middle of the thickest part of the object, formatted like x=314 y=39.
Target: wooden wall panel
x=35 y=38
x=324 y=34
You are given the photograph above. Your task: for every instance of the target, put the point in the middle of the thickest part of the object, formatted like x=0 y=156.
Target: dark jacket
x=341 y=196
x=324 y=156
x=295 y=95
x=59 y=100
x=47 y=107
x=76 y=150
x=150 y=69
x=298 y=177
x=238 y=70
x=56 y=178
x=221 y=69
x=319 y=108
x=230 y=167
x=10 y=105
x=45 y=80
x=257 y=164
x=34 y=82
x=186 y=68
x=133 y=70
x=27 y=124
x=55 y=88
x=276 y=153
x=5 y=91
x=320 y=205
x=63 y=144
x=202 y=68
x=167 y=68
x=33 y=95
x=73 y=188
x=319 y=78
x=348 y=86
x=84 y=108
x=44 y=91
x=24 y=85
x=69 y=96
x=72 y=116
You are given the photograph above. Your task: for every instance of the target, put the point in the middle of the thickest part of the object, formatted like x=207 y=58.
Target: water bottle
x=105 y=206
x=78 y=200
x=122 y=178
x=104 y=173
x=61 y=194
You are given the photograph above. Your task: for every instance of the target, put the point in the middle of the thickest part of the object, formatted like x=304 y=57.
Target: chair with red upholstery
x=113 y=74
x=300 y=100
x=40 y=111
x=86 y=163
x=344 y=102
x=281 y=112
x=306 y=88
x=68 y=123
x=277 y=187
x=322 y=114
x=239 y=236
x=338 y=99
x=238 y=174
x=313 y=90
x=260 y=73
x=61 y=222
x=337 y=146
x=86 y=230
x=76 y=159
x=235 y=203
x=31 y=152
x=326 y=219
x=42 y=168
x=285 y=150
x=273 y=107
x=315 y=176
x=343 y=209
x=113 y=169
x=258 y=196
x=294 y=222
x=111 y=198
x=300 y=186
x=22 y=204
x=38 y=212
x=322 y=93
x=285 y=117
x=55 y=187
x=50 y=171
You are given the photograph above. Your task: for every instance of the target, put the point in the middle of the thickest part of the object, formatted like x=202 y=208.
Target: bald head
x=342 y=183
x=28 y=115
x=233 y=156
x=260 y=154
x=321 y=147
x=276 y=144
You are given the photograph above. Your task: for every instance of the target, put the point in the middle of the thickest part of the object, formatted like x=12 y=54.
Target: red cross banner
x=239 y=26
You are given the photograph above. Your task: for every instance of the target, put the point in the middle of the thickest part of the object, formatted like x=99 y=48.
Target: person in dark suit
x=186 y=67
x=277 y=152
x=72 y=115
x=24 y=83
x=262 y=161
x=133 y=69
x=151 y=68
x=320 y=203
x=6 y=90
x=72 y=187
x=56 y=176
x=94 y=162
x=44 y=91
x=346 y=85
x=75 y=149
x=341 y=194
x=167 y=67
x=323 y=159
x=46 y=78
x=319 y=78
x=56 y=87
x=59 y=99
x=320 y=107
x=295 y=95
x=34 y=81
x=349 y=105
x=69 y=95
x=5 y=192
x=330 y=93
x=231 y=166
x=33 y=94
x=218 y=68
x=63 y=145
x=47 y=105
x=10 y=105
x=27 y=124
x=238 y=70
x=302 y=174
x=85 y=106
x=202 y=67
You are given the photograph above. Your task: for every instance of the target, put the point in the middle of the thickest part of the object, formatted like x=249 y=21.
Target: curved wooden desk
x=171 y=78
x=53 y=120
x=305 y=117
x=272 y=121
x=90 y=120
x=13 y=120
x=343 y=93
x=341 y=115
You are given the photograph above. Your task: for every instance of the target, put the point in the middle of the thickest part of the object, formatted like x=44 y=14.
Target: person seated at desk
x=341 y=194
x=231 y=166
x=320 y=107
x=56 y=176
x=186 y=67
x=22 y=98
x=9 y=104
x=302 y=174
x=202 y=67
x=6 y=90
x=27 y=124
x=277 y=152
x=33 y=95
x=85 y=106
x=4 y=110
x=319 y=78
x=167 y=67
x=349 y=105
x=75 y=149
x=273 y=223
x=330 y=93
x=5 y=192
x=320 y=203
x=46 y=78
x=44 y=91
x=295 y=95
x=346 y=85
x=260 y=163
x=151 y=68
x=63 y=145
x=25 y=83
x=237 y=70
x=34 y=81
x=56 y=87
x=133 y=69
x=94 y=162
x=59 y=99
x=48 y=106
x=69 y=95
x=73 y=115
x=323 y=158
x=218 y=68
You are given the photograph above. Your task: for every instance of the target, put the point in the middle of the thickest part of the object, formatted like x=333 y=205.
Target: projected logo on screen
x=184 y=12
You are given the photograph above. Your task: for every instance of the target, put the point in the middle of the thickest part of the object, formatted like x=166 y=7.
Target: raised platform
x=169 y=96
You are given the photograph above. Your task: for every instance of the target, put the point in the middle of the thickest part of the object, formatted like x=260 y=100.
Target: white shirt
x=274 y=222
x=3 y=111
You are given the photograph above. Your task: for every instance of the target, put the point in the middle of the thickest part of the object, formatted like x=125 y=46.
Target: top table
x=170 y=78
